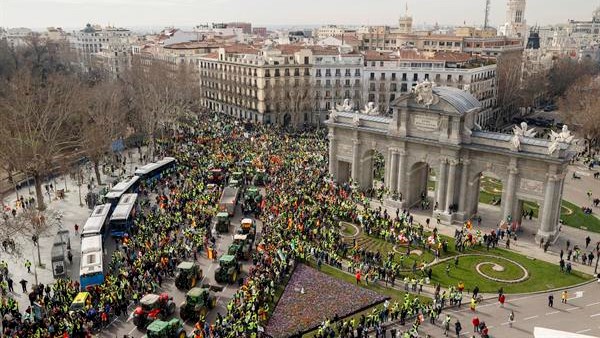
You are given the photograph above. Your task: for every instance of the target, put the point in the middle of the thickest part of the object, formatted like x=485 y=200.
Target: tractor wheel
x=202 y=313
x=183 y=314
x=181 y=333
x=234 y=277
x=170 y=308
x=213 y=303
x=193 y=282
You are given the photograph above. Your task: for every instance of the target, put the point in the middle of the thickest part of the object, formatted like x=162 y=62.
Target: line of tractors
x=154 y=312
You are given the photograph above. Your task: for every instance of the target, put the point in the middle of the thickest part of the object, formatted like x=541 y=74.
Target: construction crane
x=488 y=4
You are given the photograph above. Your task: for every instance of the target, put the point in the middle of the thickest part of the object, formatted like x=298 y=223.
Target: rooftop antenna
x=488 y=4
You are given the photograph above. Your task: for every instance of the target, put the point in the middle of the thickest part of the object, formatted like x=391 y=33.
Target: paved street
x=579 y=315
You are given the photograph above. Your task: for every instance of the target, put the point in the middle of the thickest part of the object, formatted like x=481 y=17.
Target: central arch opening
x=374 y=174
x=422 y=186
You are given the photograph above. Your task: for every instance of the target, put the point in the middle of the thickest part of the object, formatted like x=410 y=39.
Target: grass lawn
x=578 y=219
x=395 y=295
x=539 y=272
x=571 y=214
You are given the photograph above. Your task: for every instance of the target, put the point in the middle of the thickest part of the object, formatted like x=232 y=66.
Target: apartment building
x=387 y=75
x=109 y=47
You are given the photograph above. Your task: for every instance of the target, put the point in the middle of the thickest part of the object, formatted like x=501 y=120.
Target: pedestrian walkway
x=71 y=213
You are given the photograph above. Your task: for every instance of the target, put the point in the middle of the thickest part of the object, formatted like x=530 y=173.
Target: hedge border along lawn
x=571 y=214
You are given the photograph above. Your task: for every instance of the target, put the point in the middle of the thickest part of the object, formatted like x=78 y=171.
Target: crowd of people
x=300 y=216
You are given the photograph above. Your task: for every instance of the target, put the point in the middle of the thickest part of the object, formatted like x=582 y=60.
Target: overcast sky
x=76 y=13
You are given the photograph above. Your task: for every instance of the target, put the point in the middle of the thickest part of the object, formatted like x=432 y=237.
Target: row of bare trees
x=52 y=113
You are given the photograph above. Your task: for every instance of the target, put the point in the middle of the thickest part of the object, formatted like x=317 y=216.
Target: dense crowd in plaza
x=300 y=215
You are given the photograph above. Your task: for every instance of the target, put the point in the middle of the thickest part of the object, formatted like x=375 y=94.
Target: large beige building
x=108 y=47
x=387 y=75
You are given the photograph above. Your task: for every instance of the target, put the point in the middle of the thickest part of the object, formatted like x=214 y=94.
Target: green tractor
x=198 y=302
x=241 y=247
x=248 y=227
x=161 y=329
x=252 y=199
x=188 y=275
x=236 y=179
x=260 y=178
x=228 y=269
x=223 y=222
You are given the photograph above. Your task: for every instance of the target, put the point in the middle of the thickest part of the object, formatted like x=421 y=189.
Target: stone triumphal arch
x=434 y=130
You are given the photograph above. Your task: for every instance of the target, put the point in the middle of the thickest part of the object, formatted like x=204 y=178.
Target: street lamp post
x=597 y=259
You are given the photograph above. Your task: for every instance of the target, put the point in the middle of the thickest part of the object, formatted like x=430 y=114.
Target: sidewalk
x=72 y=213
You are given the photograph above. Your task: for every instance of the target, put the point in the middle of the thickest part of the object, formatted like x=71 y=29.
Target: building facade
x=516 y=25
x=109 y=47
x=387 y=75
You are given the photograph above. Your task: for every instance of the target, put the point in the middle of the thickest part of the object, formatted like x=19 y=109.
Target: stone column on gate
x=333 y=155
x=464 y=187
x=548 y=226
x=401 y=183
x=508 y=205
x=441 y=185
x=451 y=186
x=392 y=182
x=356 y=161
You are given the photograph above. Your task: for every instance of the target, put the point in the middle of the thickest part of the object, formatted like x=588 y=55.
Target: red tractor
x=152 y=307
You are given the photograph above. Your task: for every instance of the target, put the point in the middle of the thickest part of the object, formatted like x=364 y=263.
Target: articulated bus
x=126 y=187
x=153 y=171
x=97 y=224
x=91 y=270
x=123 y=215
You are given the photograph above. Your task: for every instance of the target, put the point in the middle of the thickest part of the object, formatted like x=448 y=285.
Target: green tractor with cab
x=188 y=275
x=241 y=247
x=165 y=329
x=223 y=222
x=228 y=270
x=198 y=301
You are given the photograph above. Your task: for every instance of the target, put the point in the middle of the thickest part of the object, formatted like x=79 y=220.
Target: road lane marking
x=551 y=313
x=582 y=331
x=505 y=323
x=596 y=303
x=528 y=318
x=572 y=308
x=596 y=315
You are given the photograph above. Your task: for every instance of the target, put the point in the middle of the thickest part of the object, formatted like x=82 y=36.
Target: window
x=327 y=72
x=383 y=76
x=267 y=73
x=318 y=73
x=347 y=73
x=403 y=88
x=427 y=77
x=380 y=63
x=338 y=72
x=393 y=87
x=415 y=77
x=394 y=76
x=404 y=77
x=347 y=94
x=371 y=97
x=276 y=72
x=449 y=78
x=392 y=97
x=372 y=77
x=357 y=72
x=306 y=60
x=347 y=83
x=372 y=87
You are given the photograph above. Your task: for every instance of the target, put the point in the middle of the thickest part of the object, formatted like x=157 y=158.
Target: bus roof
x=91 y=263
x=123 y=209
x=97 y=219
x=91 y=244
x=153 y=166
x=121 y=187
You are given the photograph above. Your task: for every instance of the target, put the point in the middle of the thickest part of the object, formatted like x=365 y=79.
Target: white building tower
x=516 y=25
x=405 y=23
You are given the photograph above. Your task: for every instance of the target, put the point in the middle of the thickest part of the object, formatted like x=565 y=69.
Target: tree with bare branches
x=102 y=122
x=508 y=71
x=38 y=123
x=158 y=94
x=580 y=108
x=565 y=72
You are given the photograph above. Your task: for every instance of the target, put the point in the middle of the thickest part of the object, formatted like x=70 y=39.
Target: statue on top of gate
x=520 y=132
x=424 y=94
x=557 y=138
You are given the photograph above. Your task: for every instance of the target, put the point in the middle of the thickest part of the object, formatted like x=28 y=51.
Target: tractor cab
x=241 y=247
x=152 y=307
x=216 y=176
x=162 y=329
x=260 y=178
x=236 y=179
x=248 y=227
x=228 y=269
x=188 y=275
x=223 y=222
x=198 y=301
x=252 y=199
